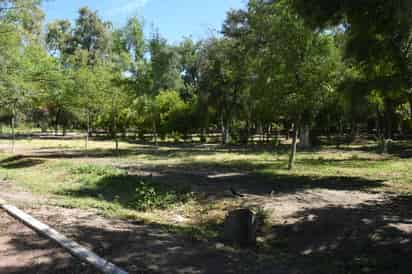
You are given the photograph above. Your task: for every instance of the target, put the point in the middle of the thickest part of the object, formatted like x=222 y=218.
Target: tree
x=59 y=39
x=20 y=24
x=92 y=35
x=379 y=41
x=297 y=64
x=164 y=64
x=222 y=81
x=174 y=114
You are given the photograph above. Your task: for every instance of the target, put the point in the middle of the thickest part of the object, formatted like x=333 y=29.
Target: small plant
x=262 y=219
x=96 y=170
x=150 y=196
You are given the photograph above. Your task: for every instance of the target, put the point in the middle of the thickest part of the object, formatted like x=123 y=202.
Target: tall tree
x=296 y=66
x=93 y=35
x=379 y=40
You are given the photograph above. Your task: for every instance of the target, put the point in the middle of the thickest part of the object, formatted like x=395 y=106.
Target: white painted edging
x=75 y=249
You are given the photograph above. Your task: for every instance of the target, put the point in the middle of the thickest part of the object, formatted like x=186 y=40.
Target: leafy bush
x=114 y=185
x=175 y=115
x=96 y=170
x=150 y=196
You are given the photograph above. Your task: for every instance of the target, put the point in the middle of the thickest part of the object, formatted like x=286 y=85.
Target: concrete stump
x=240 y=228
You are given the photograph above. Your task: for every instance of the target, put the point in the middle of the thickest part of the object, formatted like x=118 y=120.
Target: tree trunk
x=385 y=145
x=387 y=136
x=155 y=131
x=225 y=130
x=56 y=123
x=304 y=137
x=114 y=112
x=13 y=135
x=117 y=143
x=410 y=106
x=388 y=119
x=293 y=148
x=227 y=135
x=203 y=135
x=87 y=133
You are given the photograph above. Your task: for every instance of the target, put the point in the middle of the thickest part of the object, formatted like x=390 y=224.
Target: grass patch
x=95 y=182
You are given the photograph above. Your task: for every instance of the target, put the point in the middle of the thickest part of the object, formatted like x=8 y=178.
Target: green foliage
x=164 y=65
x=175 y=115
x=297 y=64
x=149 y=196
x=97 y=170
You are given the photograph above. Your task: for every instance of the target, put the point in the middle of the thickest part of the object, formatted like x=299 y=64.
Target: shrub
x=149 y=196
x=96 y=170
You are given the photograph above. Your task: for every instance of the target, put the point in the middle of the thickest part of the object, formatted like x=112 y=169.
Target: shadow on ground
x=401 y=149
x=17 y=162
x=248 y=178
x=374 y=237
x=24 y=252
x=183 y=181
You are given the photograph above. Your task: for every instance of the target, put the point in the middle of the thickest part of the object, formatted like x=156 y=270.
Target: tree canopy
x=278 y=68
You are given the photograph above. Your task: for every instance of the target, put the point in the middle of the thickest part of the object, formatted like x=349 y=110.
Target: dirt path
x=22 y=251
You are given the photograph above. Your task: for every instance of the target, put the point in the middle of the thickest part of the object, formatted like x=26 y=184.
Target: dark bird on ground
x=235 y=193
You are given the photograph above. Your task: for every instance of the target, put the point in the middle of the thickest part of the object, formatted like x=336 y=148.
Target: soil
x=23 y=251
x=340 y=229
x=151 y=248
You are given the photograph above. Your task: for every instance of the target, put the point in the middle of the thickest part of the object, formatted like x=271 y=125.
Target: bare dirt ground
x=22 y=251
x=317 y=225
x=333 y=228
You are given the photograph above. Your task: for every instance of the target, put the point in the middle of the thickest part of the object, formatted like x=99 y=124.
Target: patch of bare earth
x=285 y=207
x=312 y=230
x=308 y=226
x=17 y=196
x=23 y=251
x=150 y=248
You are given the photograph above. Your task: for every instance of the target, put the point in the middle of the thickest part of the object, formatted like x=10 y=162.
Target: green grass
x=165 y=185
x=98 y=182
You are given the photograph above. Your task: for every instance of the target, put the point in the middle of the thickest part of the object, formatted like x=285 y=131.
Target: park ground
x=160 y=209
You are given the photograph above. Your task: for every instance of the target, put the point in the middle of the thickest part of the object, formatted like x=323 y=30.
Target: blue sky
x=173 y=18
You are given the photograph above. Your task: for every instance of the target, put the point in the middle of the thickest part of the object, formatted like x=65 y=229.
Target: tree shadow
x=398 y=148
x=150 y=151
x=248 y=177
x=401 y=149
x=155 y=248
x=48 y=258
x=374 y=237
x=128 y=191
x=343 y=163
x=22 y=251
x=19 y=161
x=185 y=180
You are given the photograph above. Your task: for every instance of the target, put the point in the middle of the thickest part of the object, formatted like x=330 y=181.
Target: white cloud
x=125 y=7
